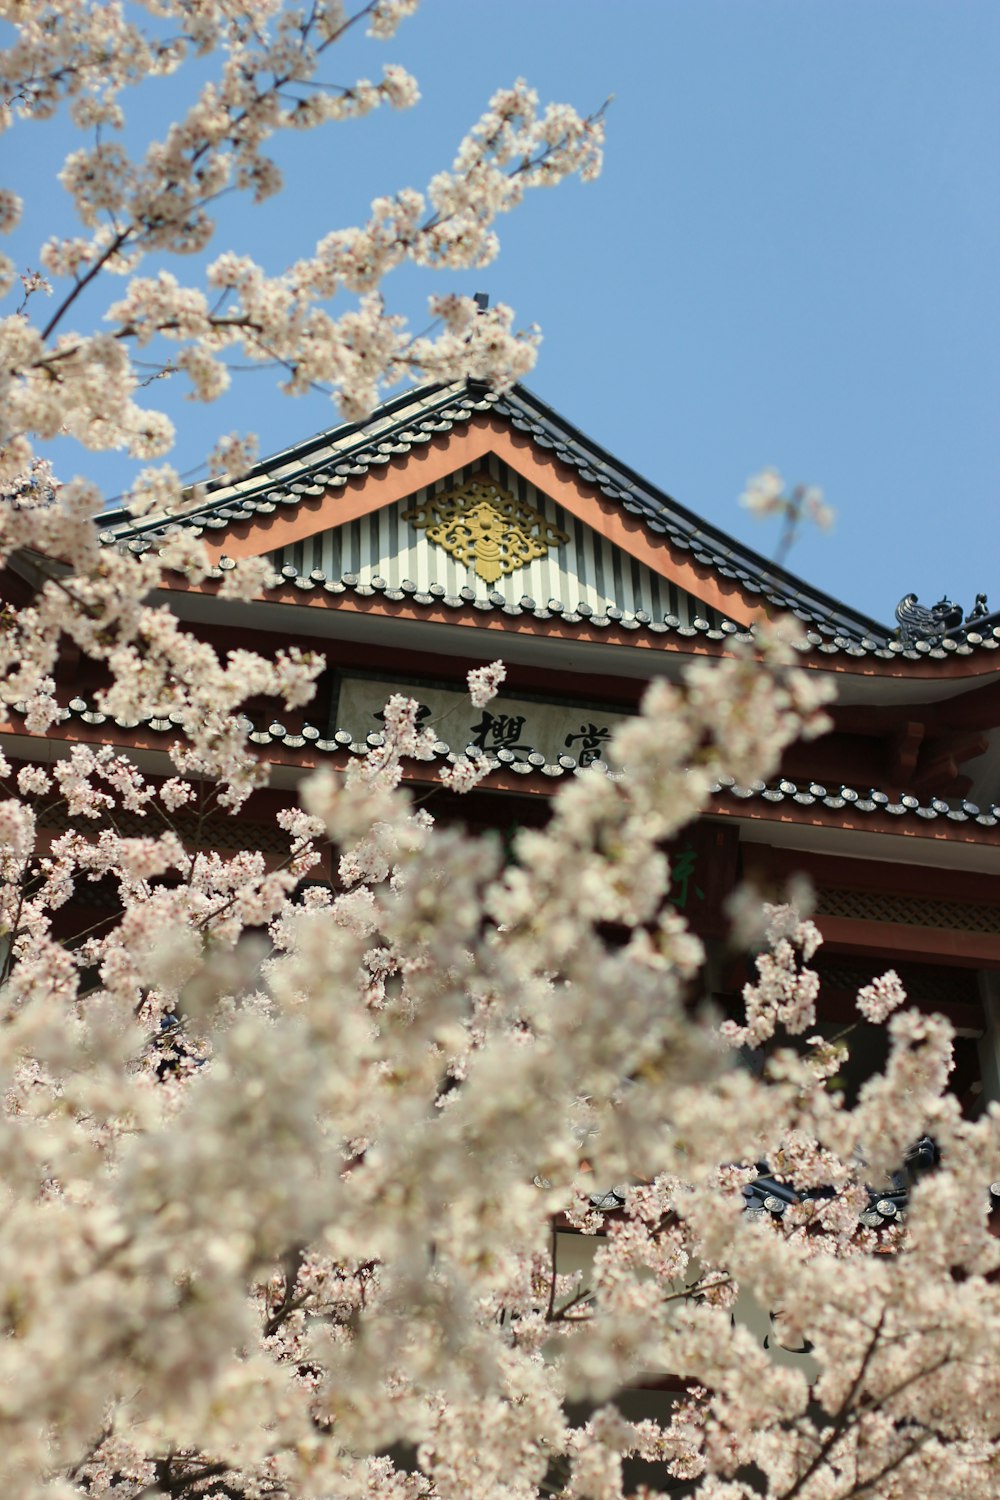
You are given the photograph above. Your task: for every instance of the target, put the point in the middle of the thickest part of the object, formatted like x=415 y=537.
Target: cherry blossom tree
x=292 y=1168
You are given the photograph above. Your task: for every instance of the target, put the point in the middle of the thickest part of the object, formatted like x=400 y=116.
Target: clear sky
x=790 y=258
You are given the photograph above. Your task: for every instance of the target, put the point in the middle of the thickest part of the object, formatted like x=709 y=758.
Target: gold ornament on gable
x=485 y=527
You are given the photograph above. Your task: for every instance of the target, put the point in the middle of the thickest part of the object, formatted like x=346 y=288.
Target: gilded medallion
x=485 y=527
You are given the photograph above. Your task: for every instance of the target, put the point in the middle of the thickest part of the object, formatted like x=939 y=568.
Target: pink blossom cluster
x=784 y=993
x=286 y=1203
x=272 y=61
x=877 y=1001
x=484 y=683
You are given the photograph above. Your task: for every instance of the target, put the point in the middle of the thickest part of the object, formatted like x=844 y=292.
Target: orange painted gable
x=484 y=434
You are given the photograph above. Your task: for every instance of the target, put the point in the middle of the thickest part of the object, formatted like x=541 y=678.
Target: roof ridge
x=342 y=450
x=699 y=526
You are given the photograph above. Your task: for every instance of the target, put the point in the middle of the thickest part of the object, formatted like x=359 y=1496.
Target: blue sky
x=790 y=258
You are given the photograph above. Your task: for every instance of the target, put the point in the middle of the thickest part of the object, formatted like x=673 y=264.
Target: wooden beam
x=902 y=941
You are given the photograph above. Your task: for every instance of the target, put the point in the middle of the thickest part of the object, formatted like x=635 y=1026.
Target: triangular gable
x=425 y=436
x=298 y=503
x=439 y=542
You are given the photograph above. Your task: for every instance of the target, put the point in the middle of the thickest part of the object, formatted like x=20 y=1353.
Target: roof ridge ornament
x=918 y=623
x=484 y=526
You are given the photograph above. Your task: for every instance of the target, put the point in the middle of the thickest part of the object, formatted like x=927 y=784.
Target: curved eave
x=947 y=670
x=927 y=824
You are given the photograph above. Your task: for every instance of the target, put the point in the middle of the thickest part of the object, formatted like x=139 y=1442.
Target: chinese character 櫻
x=499 y=732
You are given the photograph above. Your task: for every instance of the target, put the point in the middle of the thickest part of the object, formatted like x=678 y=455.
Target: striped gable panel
x=586 y=570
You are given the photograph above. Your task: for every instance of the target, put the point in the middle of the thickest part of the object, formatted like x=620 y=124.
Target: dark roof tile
x=309 y=469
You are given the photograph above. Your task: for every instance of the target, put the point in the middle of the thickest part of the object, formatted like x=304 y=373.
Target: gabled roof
x=331 y=479
x=302 y=507
x=329 y=461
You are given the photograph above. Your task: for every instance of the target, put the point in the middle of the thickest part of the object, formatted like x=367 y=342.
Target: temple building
x=457 y=526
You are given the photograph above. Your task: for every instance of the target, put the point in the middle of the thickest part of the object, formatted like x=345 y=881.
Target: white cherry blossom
x=346 y=1169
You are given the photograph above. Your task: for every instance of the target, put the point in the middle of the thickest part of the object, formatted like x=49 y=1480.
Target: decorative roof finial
x=918 y=623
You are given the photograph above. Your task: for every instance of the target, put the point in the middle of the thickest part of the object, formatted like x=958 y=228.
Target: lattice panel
x=914 y=911
x=924 y=983
x=228 y=835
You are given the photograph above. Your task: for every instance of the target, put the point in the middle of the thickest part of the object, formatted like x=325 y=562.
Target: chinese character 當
x=591 y=739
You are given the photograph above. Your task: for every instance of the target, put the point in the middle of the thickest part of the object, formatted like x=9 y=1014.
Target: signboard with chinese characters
x=703 y=856
x=520 y=726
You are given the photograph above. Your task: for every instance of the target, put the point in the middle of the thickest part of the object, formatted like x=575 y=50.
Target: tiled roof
x=327 y=462
x=770 y=1197
x=819 y=637
x=835 y=802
